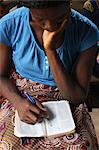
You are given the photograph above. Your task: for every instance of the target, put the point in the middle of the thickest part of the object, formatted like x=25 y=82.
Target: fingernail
x=44 y=109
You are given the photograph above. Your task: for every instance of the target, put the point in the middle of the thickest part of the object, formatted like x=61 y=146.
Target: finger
x=62 y=26
x=31 y=118
x=34 y=119
x=35 y=109
x=39 y=109
x=29 y=121
x=44 y=111
x=40 y=119
x=40 y=106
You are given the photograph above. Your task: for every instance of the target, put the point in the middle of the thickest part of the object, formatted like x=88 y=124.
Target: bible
x=60 y=122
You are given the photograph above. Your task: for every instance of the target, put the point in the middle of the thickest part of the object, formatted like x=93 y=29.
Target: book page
x=61 y=120
x=23 y=129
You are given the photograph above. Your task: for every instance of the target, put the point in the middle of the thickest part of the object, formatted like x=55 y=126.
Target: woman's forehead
x=45 y=3
x=50 y=12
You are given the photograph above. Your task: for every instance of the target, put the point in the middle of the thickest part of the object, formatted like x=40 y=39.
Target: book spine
x=45 y=128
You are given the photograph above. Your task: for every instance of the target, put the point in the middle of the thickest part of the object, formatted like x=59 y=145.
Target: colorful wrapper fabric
x=83 y=139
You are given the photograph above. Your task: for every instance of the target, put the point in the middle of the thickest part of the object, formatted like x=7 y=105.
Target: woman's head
x=48 y=14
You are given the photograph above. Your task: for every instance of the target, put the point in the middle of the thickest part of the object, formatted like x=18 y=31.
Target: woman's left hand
x=50 y=39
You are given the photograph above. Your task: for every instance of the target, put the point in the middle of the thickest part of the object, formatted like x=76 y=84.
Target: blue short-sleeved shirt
x=29 y=59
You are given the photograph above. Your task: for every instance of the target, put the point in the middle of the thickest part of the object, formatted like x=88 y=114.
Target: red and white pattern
x=83 y=139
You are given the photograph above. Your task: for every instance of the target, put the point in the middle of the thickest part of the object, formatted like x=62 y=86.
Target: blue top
x=29 y=59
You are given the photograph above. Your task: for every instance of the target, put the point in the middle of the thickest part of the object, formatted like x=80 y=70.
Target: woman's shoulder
x=17 y=13
x=82 y=31
x=12 y=24
x=83 y=25
x=80 y=20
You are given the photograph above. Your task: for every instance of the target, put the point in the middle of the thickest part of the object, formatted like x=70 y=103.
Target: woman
x=52 y=48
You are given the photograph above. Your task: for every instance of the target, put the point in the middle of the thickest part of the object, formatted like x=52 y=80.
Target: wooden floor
x=95 y=117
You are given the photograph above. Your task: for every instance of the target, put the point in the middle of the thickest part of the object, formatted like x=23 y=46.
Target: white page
x=27 y=130
x=61 y=120
x=64 y=116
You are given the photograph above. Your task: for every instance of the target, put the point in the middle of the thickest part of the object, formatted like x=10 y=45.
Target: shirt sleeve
x=4 y=34
x=89 y=37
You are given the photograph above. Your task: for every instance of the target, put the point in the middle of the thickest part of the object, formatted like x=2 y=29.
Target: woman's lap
x=83 y=139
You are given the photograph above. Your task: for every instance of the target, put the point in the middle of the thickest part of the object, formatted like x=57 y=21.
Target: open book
x=60 y=122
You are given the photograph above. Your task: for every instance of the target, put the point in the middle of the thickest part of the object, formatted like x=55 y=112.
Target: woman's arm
x=7 y=88
x=28 y=113
x=74 y=86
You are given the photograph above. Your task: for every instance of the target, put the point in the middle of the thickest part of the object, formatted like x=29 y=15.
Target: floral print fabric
x=83 y=139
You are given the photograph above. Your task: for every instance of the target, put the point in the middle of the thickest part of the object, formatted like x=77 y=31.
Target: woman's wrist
x=50 y=52
x=16 y=99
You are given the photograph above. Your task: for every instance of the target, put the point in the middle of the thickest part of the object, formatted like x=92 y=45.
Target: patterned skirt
x=83 y=139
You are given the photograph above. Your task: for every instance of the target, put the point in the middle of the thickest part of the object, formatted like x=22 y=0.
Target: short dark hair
x=43 y=3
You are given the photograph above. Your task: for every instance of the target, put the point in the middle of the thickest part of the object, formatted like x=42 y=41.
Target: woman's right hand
x=30 y=113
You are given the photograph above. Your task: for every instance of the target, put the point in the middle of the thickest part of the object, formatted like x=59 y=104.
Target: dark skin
x=49 y=31
x=40 y=22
